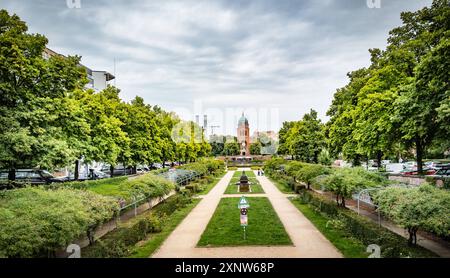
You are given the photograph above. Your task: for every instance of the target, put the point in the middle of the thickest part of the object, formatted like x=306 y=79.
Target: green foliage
x=255 y=148
x=305 y=139
x=425 y=207
x=231 y=148
x=401 y=101
x=118 y=243
x=309 y=172
x=148 y=185
x=346 y=181
x=35 y=117
x=324 y=158
x=273 y=164
x=205 y=166
x=362 y=229
x=34 y=222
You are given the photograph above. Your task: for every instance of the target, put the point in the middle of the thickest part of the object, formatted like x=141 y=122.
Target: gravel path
x=308 y=241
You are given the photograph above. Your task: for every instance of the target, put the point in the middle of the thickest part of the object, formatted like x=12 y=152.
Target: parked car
x=443 y=172
x=30 y=176
x=156 y=166
x=118 y=170
x=92 y=175
x=426 y=171
x=410 y=165
x=141 y=169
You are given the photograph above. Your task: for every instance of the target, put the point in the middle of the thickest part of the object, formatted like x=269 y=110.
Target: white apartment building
x=98 y=80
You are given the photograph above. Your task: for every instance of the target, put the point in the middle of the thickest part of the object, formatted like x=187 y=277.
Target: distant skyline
x=197 y=57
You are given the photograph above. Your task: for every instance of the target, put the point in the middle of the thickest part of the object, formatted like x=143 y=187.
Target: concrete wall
x=410 y=180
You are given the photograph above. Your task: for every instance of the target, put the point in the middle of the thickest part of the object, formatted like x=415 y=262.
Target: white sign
x=243 y=203
x=244 y=220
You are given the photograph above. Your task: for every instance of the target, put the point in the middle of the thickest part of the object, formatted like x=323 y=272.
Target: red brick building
x=243 y=135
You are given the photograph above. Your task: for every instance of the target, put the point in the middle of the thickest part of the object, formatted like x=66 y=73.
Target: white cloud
x=288 y=55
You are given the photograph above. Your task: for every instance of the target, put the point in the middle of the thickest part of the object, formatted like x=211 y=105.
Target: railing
x=179 y=177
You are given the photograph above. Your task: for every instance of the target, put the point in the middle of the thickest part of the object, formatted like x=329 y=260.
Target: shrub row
x=392 y=245
x=120 y=242
x=34 y=222
x=205 y=166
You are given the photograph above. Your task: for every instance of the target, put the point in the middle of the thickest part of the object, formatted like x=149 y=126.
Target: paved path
x=308 y=241
x=440 y=247
x=436 y=245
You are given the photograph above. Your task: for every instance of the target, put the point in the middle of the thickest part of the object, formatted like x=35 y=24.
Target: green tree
x=425 y=207
x=346 y=181
x=103 y=111
x=32 y=100
x=324 y=157
x=231 y=147
x=306 y=138
x=309 y=172
x=282 y=134
x=255 y=148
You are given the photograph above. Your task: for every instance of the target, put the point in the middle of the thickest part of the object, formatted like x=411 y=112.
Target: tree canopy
x=401 y=100
x=48 y=119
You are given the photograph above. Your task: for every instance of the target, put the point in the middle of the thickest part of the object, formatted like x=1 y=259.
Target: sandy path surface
x=308 y=241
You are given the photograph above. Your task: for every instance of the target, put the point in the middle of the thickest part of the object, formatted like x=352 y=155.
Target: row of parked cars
x=430 y=168
x=41 y=177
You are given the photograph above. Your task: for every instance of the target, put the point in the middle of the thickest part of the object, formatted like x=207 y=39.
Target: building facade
x=243 y=135
x=98 y=80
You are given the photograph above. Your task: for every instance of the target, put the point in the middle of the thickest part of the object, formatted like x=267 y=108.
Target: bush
x=425 y=207
x=362 y=229
x=35 y=222
x=344 y=182
x=87 y=184
x=120 y=242
x=205 y=166
x=309 y=172
x=324 y=158
x=273 y=165
x=293 y=167
x=149 y=185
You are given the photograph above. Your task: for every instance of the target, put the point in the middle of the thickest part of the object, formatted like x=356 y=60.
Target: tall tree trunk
x=111 y=171
x=12 y=174
x=77 y=170
x=412 y=240
x=343 y=201
x=134 y=170
x=419 y=155
x=379 y=157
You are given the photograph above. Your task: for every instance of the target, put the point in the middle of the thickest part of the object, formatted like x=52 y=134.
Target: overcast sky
x=274 y=59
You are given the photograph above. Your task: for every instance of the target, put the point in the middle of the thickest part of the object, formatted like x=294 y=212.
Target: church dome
x=243 y=120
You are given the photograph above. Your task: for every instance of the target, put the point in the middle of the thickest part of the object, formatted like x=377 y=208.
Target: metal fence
x=178 y=176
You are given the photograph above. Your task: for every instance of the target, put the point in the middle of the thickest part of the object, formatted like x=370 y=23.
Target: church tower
x=243 y=135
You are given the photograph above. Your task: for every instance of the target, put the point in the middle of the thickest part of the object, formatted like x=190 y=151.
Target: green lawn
x=282 y=186
x=349 y=247
x=255 y=187
x=211 y=185
x=155 y=240
x=249 y=174
x=109 y=187
x=224 y=229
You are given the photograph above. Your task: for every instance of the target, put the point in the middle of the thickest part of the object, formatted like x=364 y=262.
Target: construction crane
x=213 y=127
